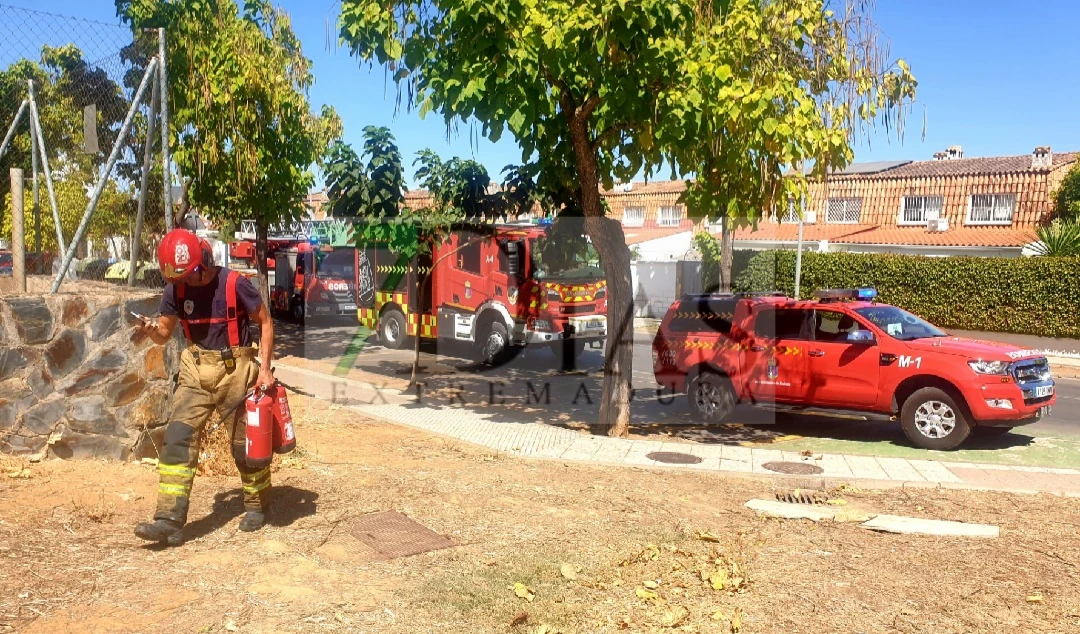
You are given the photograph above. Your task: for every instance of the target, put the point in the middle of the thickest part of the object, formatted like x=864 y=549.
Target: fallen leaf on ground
x=718 y=579
x=675 y=616
x=569 y=571
x=19 y=473
x=523 y=591
x=707 y=536
x=230 y=626
x=646 y=594
x=736 y=621
x=519 y=618
x=806 y=453
x=650 y=584
x=718 y=616
x=836 y=502
x=1035 y=598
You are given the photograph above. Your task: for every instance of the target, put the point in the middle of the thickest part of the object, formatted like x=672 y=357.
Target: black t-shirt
x=202 y=302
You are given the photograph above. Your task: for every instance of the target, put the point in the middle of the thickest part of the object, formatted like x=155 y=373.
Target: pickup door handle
x=757 y=348
x=817 y=353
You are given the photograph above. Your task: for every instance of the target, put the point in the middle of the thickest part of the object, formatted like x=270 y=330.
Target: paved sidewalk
x=543 y=441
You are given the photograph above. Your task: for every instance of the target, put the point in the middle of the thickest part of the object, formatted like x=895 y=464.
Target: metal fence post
x=148 y=155
x=163 y=77
x=11 y=128
x=18 y=252
x=37 y=199
x=125 y=129
x=35 y=133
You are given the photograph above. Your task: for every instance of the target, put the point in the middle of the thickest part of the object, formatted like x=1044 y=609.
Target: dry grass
x=598 y=549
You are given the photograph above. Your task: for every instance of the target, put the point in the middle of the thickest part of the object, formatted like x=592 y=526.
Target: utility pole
x=38 y=261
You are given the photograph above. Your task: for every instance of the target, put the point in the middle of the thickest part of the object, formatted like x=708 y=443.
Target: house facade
x=951 y=205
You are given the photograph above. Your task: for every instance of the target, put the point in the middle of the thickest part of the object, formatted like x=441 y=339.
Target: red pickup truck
x=845 y=351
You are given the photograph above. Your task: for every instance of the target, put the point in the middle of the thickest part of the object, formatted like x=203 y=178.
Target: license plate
x=594 y=325
x=1044 y=391
x=322 y=310
x=348 y=307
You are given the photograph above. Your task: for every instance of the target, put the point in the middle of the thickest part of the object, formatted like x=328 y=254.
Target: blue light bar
x=867 y=293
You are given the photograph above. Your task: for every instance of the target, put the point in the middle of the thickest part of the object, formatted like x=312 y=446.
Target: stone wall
x=78 y=380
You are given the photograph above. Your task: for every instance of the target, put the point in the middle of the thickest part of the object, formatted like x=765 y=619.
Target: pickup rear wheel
x=932 y=419
x=712 y=398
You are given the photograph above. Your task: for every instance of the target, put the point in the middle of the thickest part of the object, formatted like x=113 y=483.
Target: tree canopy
x=733 y=92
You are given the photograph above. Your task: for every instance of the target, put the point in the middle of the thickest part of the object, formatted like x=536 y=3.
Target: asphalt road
x=573 y=396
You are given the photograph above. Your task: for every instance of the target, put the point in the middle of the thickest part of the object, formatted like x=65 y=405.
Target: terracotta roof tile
x=957 y=237
x=637 y=235
x=966 y=167
x=872 y=234
x=644 y=188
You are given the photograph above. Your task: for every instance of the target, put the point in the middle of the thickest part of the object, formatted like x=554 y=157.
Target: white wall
x=673 y=247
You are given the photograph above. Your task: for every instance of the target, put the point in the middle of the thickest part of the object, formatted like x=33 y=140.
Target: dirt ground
x=542 y=547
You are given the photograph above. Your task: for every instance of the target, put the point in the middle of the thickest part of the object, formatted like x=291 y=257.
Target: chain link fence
x=77 y=106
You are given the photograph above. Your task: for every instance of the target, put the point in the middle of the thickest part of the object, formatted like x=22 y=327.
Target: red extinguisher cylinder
x=284 y=433
x=259 y=430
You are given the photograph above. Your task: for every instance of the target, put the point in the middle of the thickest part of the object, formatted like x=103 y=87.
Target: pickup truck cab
x=845 y=351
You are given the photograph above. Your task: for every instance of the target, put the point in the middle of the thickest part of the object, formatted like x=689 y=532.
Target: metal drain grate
x=793 y=468
x=803 y=496
x=389 y=535
x=673 y=457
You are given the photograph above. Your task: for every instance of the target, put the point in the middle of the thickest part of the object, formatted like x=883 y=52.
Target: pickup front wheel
x=712 y=398
x=932 y=419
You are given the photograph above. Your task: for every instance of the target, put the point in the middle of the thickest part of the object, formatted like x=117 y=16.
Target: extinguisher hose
x=229 y=412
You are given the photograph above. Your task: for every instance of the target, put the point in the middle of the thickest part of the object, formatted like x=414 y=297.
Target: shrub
x=1039 y=296
x=1060 y=238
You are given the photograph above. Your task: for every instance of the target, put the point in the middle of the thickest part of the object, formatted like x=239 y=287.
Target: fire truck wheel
x=392 y=329
x=495 y=346
x=712 y=398
x=932 y=419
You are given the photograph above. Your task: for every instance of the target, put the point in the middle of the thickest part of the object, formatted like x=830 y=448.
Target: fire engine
x=492 y=289
x=310 y=266
x=846 y=351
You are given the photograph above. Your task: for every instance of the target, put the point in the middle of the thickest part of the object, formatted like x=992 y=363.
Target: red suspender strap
x=230 y=308
x=184 y=323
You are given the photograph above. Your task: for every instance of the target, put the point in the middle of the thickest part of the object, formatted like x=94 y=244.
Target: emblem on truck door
x=773 y=369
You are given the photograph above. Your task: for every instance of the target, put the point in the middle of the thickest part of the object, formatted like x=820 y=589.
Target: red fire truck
x=492 y=289
x=306 y=277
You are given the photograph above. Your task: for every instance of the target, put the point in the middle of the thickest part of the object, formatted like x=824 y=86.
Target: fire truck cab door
x=469 y=287
x=773 y=363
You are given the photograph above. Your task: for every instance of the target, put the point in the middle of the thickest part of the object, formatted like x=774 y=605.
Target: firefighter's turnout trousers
x=207 y=389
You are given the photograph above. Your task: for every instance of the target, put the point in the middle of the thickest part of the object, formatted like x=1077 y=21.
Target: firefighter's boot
x=162 y=531
x=252 y=521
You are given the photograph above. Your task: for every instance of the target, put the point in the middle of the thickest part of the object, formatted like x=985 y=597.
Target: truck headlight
x=601 y=294
x=989 y=367
x=553 y=295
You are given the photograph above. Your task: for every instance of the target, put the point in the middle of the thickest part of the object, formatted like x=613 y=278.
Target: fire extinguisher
x=259 y=429
x=284 y=433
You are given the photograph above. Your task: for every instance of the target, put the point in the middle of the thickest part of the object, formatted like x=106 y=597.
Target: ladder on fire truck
x=332 y=231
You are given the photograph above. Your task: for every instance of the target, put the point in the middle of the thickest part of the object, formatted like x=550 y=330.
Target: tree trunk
x=607 y=236
x=727 y=254
x=261 y=232
x=424 y=284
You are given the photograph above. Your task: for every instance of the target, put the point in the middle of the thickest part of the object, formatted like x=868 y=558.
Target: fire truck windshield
x=339 y=263
x=551 y=262
x=900 y=324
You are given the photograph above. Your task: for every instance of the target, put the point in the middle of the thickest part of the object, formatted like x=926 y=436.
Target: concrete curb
x=781 y=480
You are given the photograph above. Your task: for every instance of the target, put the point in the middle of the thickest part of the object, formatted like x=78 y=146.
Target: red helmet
x=179 y=255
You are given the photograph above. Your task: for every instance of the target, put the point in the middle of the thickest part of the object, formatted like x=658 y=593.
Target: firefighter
x=215 y=307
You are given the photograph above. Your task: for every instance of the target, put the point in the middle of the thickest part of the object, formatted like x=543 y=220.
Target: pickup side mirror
x=861 y=336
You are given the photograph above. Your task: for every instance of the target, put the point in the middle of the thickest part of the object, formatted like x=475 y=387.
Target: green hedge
x=1037 y=296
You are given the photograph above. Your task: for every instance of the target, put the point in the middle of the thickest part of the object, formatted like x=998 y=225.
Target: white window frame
x=637 y=221
x=678 y=212
x=925 y=211
x=846 y=201
x=997 y=201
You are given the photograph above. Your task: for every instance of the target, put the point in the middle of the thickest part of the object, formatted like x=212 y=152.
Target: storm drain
x=389 y=535
x=793 y=468
x=802 y=496
x=673 y=457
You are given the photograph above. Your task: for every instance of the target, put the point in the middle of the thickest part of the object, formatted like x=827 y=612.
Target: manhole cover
x=390 y=534
x=673 y=457
x=793 y=468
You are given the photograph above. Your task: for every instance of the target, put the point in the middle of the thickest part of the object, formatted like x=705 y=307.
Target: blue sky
x=995 y=77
